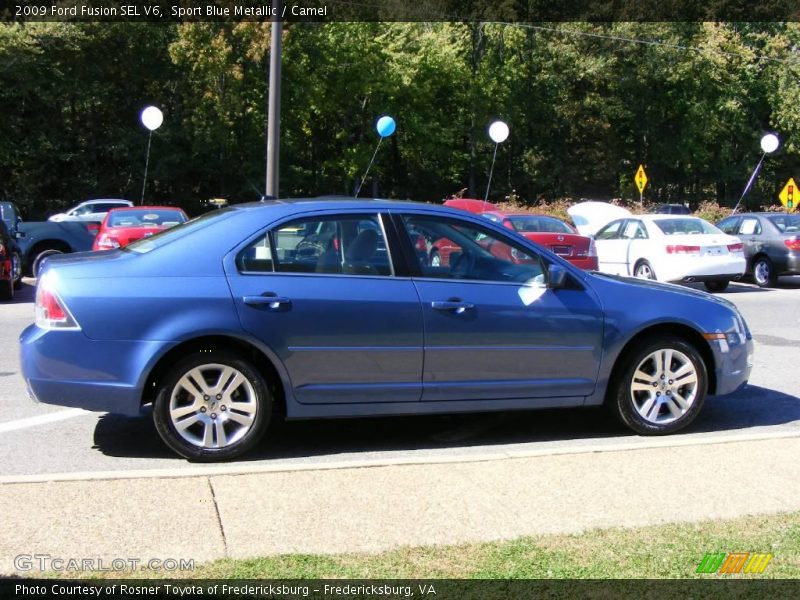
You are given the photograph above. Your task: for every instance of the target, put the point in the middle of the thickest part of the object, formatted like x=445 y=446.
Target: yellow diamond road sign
x=789 y=195
x=641 y=179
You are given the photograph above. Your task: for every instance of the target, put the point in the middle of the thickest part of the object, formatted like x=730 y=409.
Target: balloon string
x=491 y=171
x=363 y=179
x=146 y=163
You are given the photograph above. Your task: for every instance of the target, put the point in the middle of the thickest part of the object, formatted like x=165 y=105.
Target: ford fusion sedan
x=326 y=308
x=122 y=226
x=771 y=244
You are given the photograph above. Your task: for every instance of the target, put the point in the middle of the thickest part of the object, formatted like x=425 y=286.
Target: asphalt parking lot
x=48 y=442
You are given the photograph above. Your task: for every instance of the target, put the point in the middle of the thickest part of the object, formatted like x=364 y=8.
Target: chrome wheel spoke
x=182 y=411
x=652 y=413
x=680 y=402
x=638 y=386
x=193 y=383
x=640 y=375
x=242 y=419
x=219 y=427
x=232 y=384
x=208 y=434
x=184 y=424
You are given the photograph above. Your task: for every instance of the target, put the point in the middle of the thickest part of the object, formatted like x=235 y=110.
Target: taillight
x=590 y=252
x=681 y=249
x=735 y=247
x=51 y=312
x=792 y=243
x=106 y=242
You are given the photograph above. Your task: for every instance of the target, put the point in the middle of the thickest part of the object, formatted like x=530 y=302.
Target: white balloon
x=769 y=143
x=152 y=118
x=498 y=131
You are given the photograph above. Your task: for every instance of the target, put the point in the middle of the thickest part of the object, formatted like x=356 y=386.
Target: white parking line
x=61 y=415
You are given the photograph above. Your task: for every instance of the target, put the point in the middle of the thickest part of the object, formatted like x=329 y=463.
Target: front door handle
x=269 y=299
x=456 y=306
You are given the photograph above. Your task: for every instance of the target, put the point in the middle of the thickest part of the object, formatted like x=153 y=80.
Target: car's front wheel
x=661 y=387
x=212 y=406
x=16 y=269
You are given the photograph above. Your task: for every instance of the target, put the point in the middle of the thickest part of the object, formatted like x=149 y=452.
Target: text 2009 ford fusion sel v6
x=326 y=308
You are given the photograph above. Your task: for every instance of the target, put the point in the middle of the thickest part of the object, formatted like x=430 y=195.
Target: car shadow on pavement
x=25 y=294
x=747 y=409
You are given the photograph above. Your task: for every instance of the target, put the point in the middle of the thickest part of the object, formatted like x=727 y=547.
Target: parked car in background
x=470 y=205
x=221 y=323
x=10 y=219
x=122 y=226
x=91 y=210
x=672 y=209
x=9 y=265
x=39 y=240
x=673 y=248
x=771 y=243
x=552 y=233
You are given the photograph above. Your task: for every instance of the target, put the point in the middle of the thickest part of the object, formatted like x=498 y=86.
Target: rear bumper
x=587 y=264
x=67 y=368
x=701 y=278
x=792 y=264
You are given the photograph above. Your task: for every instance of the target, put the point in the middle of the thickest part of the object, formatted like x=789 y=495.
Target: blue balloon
x=385 y=126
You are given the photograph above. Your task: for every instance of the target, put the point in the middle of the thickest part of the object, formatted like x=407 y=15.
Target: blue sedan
x=330 y=308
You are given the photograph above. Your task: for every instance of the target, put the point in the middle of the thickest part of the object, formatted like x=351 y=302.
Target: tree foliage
x=586 y=104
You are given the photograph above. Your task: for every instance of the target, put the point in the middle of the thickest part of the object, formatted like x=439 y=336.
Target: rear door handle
x=456 y=306
x=269 y=299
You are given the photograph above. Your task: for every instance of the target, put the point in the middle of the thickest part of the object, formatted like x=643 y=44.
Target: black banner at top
x=398 y=10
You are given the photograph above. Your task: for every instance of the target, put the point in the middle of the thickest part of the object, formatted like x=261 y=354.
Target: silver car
x=771 y=244
x=91 y=210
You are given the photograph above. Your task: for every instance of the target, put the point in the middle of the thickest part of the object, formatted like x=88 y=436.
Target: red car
x=554 y=234
x=471 y=205
x=125 y=225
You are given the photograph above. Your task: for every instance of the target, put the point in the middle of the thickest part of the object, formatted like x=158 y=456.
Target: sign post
x=789 y=195
x=641 y=181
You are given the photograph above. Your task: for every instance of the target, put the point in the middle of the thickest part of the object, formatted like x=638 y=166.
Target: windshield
x=535 y=223
x=685 y=226
x=148 y=244
x=786 y=223
x=146 y=218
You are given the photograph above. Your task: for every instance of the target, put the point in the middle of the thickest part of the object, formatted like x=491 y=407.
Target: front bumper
x=67 y=368
x=734 y=363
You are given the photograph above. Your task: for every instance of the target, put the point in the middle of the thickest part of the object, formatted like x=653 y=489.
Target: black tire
x=628 y=403
x=6 y=290
x=16 y=262
x=716 y=286
x=436 y=260
x=644 y=270
x=36 y=265
x=763 y=272
x=188 y=444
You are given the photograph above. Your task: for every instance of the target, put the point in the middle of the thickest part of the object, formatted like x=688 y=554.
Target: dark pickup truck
x=38 y=240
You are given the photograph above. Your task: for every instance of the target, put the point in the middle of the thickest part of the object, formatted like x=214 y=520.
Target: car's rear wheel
x=644 y=270
x=716 y=286
x=39 y=260
x=212 y=406
x=16 y=270
x=661 y=388
x=763 y=272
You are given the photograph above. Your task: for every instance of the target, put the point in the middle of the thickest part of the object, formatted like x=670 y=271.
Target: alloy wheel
x=664 y=386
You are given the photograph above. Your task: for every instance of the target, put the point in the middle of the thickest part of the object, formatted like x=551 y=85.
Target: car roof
x=342 y=203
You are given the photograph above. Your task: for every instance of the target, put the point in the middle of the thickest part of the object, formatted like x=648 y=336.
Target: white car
x=91 y=210
x=674 y=248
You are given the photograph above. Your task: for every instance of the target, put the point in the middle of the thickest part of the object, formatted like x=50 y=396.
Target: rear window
x=533 y=224
x=146 y=218
x=685 y=226
x=786 y=223
x=148 y=244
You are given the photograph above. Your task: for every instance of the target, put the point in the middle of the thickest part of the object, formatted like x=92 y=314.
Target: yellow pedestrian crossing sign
x=641 y=179
x=789 y=195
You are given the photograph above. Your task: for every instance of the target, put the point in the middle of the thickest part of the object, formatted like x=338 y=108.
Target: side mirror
x=556 y=277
